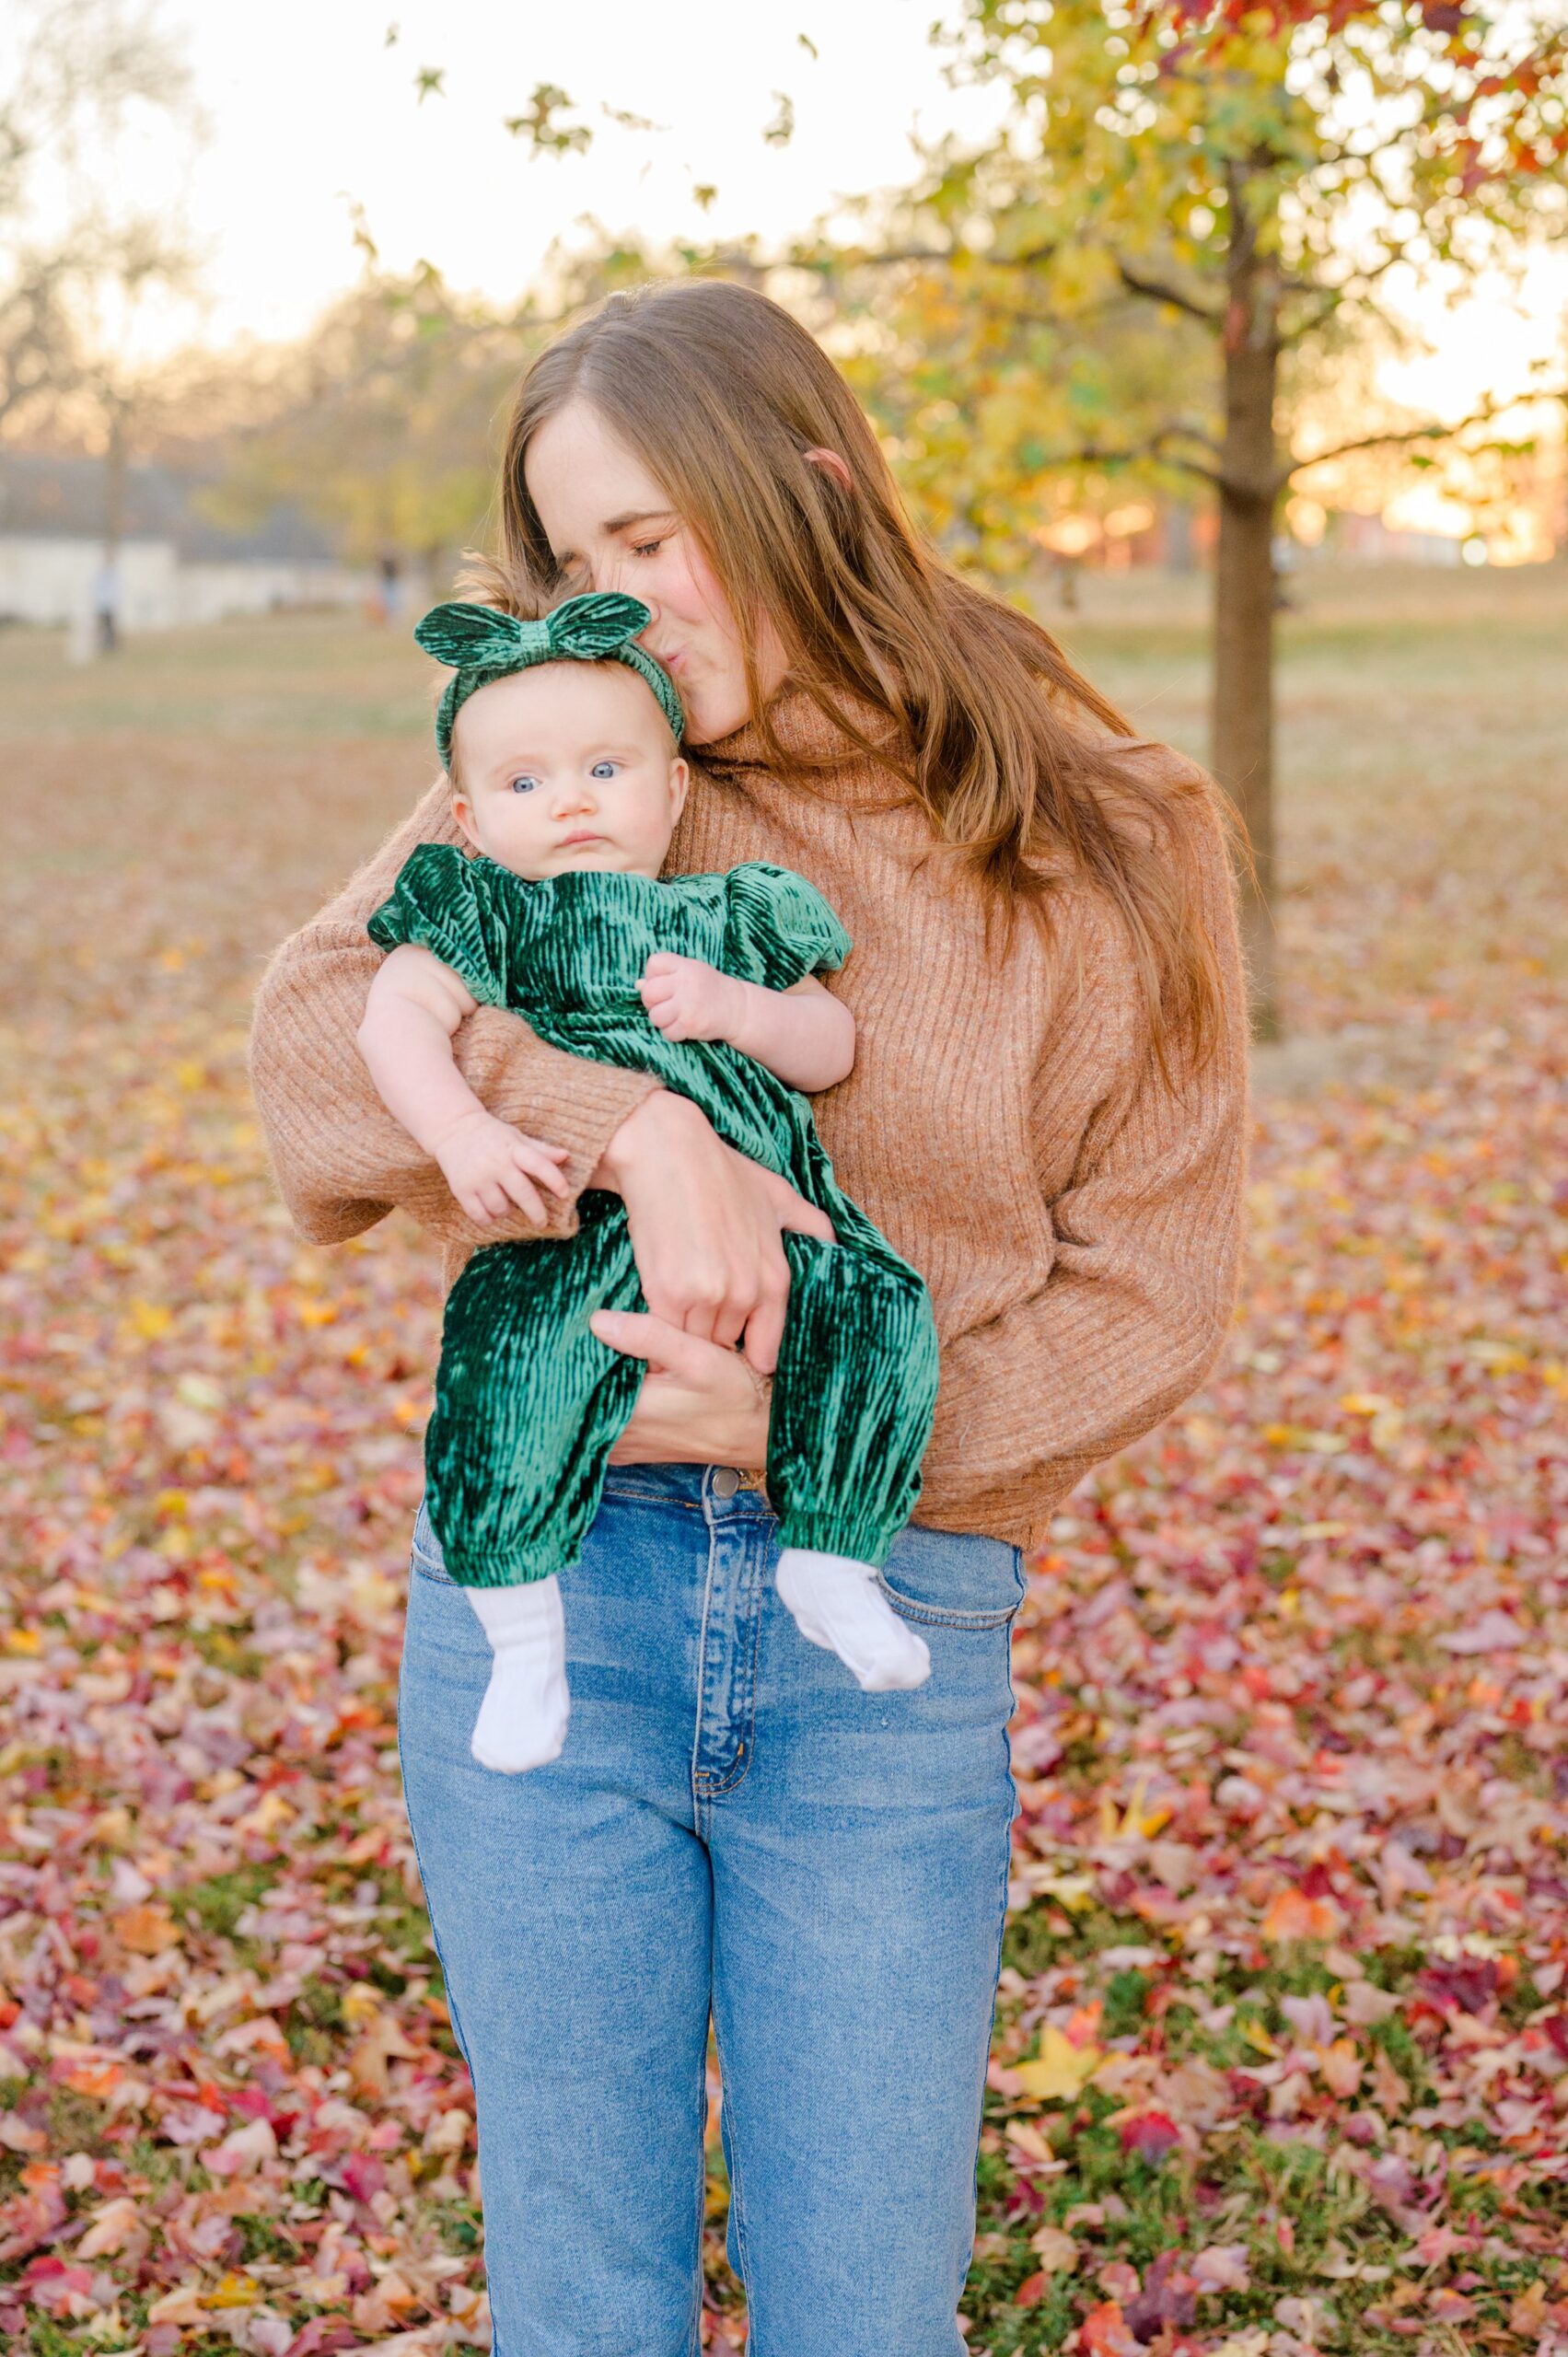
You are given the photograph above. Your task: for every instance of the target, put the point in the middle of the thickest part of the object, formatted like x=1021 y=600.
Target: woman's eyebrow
x=638 y=516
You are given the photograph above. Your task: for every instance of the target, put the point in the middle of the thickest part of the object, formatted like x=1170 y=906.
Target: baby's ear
x=462 y=811
x=679 y=787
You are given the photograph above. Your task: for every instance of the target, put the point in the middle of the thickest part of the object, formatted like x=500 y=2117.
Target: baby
x=560 y=737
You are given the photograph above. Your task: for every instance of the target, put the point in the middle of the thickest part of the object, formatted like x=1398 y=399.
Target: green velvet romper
x=527 y=1401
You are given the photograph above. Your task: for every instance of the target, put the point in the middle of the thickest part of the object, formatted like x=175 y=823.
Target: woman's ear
x=831 y=464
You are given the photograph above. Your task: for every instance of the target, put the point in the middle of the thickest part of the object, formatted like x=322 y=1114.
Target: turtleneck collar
x=801 y=727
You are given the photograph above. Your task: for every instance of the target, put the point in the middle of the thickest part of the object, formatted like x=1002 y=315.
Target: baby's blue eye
x=524 y=784
x=604 y=768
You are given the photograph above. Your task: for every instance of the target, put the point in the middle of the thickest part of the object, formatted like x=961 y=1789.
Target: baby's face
x=566 y=766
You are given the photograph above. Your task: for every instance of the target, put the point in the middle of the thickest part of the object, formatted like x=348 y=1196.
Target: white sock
x=835 y=1602
x=522 y=1720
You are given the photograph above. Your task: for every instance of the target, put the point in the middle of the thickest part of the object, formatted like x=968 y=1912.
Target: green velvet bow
x=482 y=644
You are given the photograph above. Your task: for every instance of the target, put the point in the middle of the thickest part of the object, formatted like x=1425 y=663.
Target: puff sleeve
x=450 y=904
x=778 y=928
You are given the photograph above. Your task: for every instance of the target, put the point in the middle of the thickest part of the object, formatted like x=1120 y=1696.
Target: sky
x=308 y=111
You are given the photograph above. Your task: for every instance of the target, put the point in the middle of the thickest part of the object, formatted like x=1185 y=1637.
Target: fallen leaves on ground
x=1282 y=2061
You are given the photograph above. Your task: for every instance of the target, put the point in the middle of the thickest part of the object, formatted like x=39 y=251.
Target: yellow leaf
x=1028 y=2141
x=271 y=1811
x=24 y=1641
x=234 y=2291
x=1060 y=2071
x=182 y=2306
x=1074 y=1892
x=1501 y=1358
x=152 y=1319
x=1056 y=2251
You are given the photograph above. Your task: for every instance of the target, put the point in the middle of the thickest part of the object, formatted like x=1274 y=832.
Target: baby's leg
x=522 y=1720
x=527 y=1405
x=853 y=1403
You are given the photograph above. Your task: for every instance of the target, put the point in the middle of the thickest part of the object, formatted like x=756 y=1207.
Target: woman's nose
x=618 y=575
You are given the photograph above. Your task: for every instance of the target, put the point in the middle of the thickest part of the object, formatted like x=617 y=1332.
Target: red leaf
x=1152 y=2133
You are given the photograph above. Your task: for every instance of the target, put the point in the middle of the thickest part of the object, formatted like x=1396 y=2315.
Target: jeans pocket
x=426 y=1557
x=953 y=1581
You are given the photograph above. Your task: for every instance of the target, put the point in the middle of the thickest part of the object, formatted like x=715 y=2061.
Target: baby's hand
x=488 y=1165
x=686 y=1000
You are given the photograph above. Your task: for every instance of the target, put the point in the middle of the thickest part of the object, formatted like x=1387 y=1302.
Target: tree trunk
x=1243 y=711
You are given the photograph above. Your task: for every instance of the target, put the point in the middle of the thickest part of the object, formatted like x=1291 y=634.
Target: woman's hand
x=699 y=1403
x=705 y=1225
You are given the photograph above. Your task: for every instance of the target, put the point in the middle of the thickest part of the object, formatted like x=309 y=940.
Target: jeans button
x=727 y=1480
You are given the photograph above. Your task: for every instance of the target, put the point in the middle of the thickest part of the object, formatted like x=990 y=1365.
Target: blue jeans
x=732 y=1826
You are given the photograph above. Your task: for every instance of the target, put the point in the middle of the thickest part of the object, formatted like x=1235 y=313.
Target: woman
x=1045 y=1116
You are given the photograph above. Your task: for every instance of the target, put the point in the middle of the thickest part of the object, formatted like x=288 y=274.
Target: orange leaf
x=1104 y=2333
x=1292 y=1916
x=147 y=1929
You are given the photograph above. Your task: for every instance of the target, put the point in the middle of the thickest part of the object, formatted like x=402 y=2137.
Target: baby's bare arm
x=415 y=1005
x=803 y=1034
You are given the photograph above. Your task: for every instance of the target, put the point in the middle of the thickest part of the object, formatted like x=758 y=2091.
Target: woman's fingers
x=637 y=1335
x=763 y=1330
x=705 y=1222
x=793 y=1210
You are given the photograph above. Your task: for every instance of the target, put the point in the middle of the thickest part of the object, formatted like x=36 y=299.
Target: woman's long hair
x=720 y=393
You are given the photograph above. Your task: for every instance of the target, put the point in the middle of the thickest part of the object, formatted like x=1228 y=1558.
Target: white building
x=174 y=565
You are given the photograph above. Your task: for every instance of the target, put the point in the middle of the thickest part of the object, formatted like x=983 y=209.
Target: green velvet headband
x=482 y=645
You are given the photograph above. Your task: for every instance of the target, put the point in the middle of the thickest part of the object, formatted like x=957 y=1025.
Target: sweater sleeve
x=341 y=1160
x=1143 y=1287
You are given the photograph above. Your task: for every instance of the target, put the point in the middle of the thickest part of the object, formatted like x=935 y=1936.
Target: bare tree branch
x=885 y=256
x=1331 y=298
x=1429 y=432
x=1157 y=291
x=1155 y=451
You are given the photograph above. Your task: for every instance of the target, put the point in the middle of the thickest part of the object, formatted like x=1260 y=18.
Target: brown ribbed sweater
x=1005 y=1125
